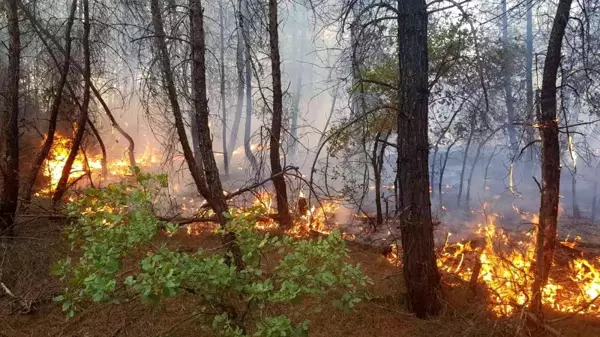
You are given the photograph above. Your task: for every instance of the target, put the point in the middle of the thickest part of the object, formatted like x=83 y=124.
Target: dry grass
x=26 y=271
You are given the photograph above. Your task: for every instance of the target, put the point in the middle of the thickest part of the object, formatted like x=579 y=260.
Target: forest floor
x=26 y=263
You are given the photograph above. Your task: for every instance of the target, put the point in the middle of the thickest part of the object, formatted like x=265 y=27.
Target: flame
x=507 y=272
x=61 y=147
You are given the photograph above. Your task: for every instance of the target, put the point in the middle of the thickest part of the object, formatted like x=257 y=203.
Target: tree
x=548 y=125
x=419 y=263
x=222 y=87
x=10 y=194
x=285 y=221
x=55 y=108
x=62 y=186
x=208 y=182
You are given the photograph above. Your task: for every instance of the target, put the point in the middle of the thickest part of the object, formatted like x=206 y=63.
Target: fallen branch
x=534 y=319
x=25 y=305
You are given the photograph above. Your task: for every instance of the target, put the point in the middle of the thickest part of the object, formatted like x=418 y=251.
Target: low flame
x=507 y=272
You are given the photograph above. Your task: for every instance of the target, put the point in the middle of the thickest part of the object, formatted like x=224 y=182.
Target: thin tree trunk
x=464 y=163
x=10 y=193
x=377 y=158
x=43 y=31
x=437 y=146
x=239 y=62
x=529 y=82
x=55 y=108
x=546 y=234
x=61 y=187
x=474 y=165
x=595 y=198
x=508 y=95
x=419 y=262
x=103 y=161
x=285 y=221
x=248 y=124
x=443 y=169
x=222 y=89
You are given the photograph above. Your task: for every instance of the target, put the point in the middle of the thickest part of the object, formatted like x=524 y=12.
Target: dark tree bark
x=10 y=193
x=419 y=263
x=377 y=158
x=285 y=220
x=208 y=182
x=214 y=190
x=62 y=186
x=546 y=234
x=508 y=95
x=222 y=88
x=54 y=109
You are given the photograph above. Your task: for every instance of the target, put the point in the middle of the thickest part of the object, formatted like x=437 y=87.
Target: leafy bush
x=118 y=222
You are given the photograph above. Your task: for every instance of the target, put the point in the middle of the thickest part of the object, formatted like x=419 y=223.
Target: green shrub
x=118 y=222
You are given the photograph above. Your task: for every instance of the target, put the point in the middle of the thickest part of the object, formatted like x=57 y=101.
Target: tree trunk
x=239 y=62
x=214 y=190
x=529 y=83
x=285 y=221
x=222 y=88
x=42 y=31
x=248 y=123
x=546 y=234
x=61 y=187
x=474 y=165
x=464 y=163
x=103 y=161
x=419 y=262
x=55 y=108
x=443 y=169
x=10 y=193
x=508 y=95
x=437 y=146
x=595 y=198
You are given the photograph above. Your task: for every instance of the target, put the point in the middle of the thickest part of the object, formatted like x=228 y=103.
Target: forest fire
x=86 y=164
x=504 y=264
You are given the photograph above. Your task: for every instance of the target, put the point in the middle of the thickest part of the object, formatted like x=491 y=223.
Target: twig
x=533 y=318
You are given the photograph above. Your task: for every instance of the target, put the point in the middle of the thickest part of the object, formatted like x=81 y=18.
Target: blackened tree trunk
x=377 y=158
x=10 y=193
x=222 y=87
x=419 y=263
x=285 y=221
x=171 y=91
x=508 y=95
x=54 y=109
x=61 y=187
x=214 y=190
x=546 y=234
x=239 y=62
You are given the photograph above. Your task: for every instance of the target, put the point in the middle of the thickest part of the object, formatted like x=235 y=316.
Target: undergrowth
x=117 y=222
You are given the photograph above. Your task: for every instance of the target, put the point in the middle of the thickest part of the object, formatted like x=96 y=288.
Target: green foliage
x=117 y=222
